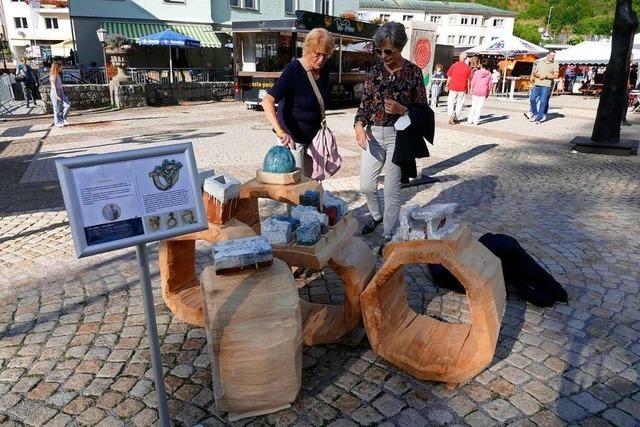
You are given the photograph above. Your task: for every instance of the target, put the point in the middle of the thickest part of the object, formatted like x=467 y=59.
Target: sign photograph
x=124 y=199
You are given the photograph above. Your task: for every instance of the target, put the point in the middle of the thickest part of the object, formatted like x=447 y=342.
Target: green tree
x=527 y=32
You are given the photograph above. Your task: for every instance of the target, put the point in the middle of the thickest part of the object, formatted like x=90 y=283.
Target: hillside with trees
x=572 y=21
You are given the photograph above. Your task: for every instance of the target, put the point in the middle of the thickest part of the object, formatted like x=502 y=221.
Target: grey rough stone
x=411 y=417
x=440 y=417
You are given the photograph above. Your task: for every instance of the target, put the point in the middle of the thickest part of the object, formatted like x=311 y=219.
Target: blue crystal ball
x=279 y=160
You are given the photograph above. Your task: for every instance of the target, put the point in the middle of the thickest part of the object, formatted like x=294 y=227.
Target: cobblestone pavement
x=72 y=333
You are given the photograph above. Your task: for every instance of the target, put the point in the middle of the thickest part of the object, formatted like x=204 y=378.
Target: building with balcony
x=37 y=33
x=461 y=25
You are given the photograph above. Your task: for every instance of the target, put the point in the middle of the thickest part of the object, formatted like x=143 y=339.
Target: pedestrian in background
x=480 y=89
x=495 y=79
x=59 y=100
x=26 y=77
x=457 y=84
x=436 y=86
x=545 y=71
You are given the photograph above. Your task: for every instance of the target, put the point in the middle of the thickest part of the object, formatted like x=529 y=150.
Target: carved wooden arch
x=347 y=255
x=352 y=260
x=425 y=347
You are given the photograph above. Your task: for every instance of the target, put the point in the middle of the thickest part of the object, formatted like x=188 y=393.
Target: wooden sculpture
x=424 y=347
x=177 y=260
x=352 y=260
x=254 y=332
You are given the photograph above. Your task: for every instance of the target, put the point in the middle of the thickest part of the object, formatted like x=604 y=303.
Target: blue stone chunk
x=295 y=223
x=308 y=234
x=310 y=198
x=279 y=160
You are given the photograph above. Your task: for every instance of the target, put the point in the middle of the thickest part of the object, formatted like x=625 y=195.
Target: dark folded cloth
x=520 y=270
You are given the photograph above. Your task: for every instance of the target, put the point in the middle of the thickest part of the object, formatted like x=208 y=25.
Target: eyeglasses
x=321 y=54
x=386 y=51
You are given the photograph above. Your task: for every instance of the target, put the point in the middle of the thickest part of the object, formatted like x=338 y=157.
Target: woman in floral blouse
x=390 y=87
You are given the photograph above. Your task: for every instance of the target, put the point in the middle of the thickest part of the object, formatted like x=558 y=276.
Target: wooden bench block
x=425 y=347
x=254 y=332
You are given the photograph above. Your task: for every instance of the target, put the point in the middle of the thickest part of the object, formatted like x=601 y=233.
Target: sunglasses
x=380 y=51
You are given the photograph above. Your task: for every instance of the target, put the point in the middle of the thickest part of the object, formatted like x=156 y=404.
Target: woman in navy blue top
x=298 y=117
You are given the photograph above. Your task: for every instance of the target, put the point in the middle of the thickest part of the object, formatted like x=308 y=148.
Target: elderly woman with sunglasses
x=390 y=87
x=298 y=117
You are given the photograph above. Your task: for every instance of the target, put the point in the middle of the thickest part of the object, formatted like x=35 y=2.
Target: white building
x=37 y=32
x=462 y=25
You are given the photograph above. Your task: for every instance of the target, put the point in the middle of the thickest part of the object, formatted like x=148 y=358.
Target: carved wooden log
x=177 y=260
x=254 y=333
x=352 y=260
x=424 y=347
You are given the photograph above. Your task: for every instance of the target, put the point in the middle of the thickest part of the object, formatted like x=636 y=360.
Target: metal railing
x=161 y=75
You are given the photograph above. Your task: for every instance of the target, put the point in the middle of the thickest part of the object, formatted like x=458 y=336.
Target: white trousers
x=303 y=160
x=455 y=102
x=476 y=106
x=377 y=158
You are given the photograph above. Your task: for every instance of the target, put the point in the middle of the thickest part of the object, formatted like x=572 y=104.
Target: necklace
x=392 y=71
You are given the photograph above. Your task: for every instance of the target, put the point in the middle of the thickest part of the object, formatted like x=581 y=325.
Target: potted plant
x=118 y=47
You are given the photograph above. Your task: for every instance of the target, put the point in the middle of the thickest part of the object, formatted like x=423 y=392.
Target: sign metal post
x=131 y=198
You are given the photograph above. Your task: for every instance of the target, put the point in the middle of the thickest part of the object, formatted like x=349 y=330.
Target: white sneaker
x=544 y=118
x=66 y=123
x=59 y=125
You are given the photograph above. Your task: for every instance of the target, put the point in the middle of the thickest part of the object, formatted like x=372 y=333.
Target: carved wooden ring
x=424 y=347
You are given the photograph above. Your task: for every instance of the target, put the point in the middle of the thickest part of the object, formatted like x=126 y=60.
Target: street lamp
x=102 y=37
x=549 y=20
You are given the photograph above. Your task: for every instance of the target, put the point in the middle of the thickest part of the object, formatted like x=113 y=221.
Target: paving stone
x=59 y=420
x=110 y=421
x=514 y=375
x=144 y=418
x=461 y=405
x=366 y=415
x=91 y=416
x=501 y=410
x=25 y=384
x=525 y=403
x=42 y=391
x=346 y=403
x=388 y=405
x=128 y=408
x=569 y=411
x=11 y=375
x=24 y=410
x=342 y=422
x=397 y=385
x=440 y=417
x=541 y=392
x=9 y=400
x=182 y=371
x=589 y=403
x=621 y=385
x=61 y=399
x=547 y=419
x=619 y=418
x=366 y=391
x=97 y=387
x=77 y=405
x=479 y=419
x=604 y=393
x=631 y=407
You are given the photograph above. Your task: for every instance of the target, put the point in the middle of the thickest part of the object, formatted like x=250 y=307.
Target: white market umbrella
x=507 y=46
x=587 y=52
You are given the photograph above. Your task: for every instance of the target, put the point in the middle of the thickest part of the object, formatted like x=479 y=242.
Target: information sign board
x=133 y=197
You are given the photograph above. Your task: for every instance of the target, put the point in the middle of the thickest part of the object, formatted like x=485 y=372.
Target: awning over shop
x=135 y=30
